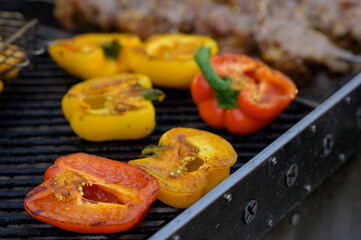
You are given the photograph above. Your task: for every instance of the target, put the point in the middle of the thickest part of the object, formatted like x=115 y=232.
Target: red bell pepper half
x=239 y=93
x=90 y=194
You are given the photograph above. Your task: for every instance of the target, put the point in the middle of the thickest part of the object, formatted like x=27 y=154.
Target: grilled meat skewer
x=284 y=35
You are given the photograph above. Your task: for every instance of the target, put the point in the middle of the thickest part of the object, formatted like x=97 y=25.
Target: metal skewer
x=18 y=33
x=350 y=58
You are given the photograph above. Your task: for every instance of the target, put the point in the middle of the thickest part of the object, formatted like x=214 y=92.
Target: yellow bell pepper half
x=112 y=108
x=93 y=54
x=168 y=58
x=187 y=163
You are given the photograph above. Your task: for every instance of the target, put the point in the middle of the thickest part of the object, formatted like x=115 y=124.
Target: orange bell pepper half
x=239 y=93
x=90 y=194
x=188 y=163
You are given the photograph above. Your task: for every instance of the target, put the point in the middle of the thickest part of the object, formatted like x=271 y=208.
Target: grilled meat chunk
x=339 y=19
x=146 y=18
x=91 y=14
x=230 y=23
x=291 y=46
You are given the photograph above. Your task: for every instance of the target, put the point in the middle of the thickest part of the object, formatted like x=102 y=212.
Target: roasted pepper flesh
x=239 y=93
x=89 y=194
x=93 y=54
x=168 y=58
x=111 y=108
x=188 y=163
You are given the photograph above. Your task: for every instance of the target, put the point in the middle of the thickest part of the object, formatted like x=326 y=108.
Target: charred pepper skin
x=239 y=93
x=188 y=163
x=112 y=108
x=90 y=194
x=93 y=54
x=168 y=58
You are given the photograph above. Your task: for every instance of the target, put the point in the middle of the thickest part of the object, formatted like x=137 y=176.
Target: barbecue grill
x=277 y=167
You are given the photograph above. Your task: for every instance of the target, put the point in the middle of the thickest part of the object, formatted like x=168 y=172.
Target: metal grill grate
x=18 y=42
x=33 y=133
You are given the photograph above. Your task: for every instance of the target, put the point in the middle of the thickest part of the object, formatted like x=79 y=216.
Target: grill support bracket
x=319 y=144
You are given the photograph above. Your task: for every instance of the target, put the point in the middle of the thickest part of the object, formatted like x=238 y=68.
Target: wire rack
x=19 y=44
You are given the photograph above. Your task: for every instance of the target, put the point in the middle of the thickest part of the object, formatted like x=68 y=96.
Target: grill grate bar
x=56 y=141
x=32 y=122
x=32 y=114
x=37 y=97
x=14 y=194
x=53 y=232
x=27 y=219
x=12 y=183
x=16 y=220
x=37 y=89
x=28 y=159
x=12 y=206
x=45 y=74
x=31 y=105
x=26 y=82
x=67 y=149
x=21 y=171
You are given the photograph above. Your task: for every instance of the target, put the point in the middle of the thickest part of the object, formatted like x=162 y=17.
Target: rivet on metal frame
x=292 y=174
x=348 y=99
x=328 y=143
x=313 y=128
x=175 y=237
x=295 y=219
x=270 y=223
x=250 y=211
x=273 y=160
x=342 y=157
x=228 y=197
x=307 y=188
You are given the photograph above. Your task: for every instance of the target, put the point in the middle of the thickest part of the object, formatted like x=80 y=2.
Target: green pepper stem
x=112 y=49
x=226 y=96
x=151 y=93
x=152 y=150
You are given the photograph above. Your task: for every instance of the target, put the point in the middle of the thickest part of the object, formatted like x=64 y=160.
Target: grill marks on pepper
x=178 y=50
x=37 y=190
x=114 y=97
x=37 y=211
